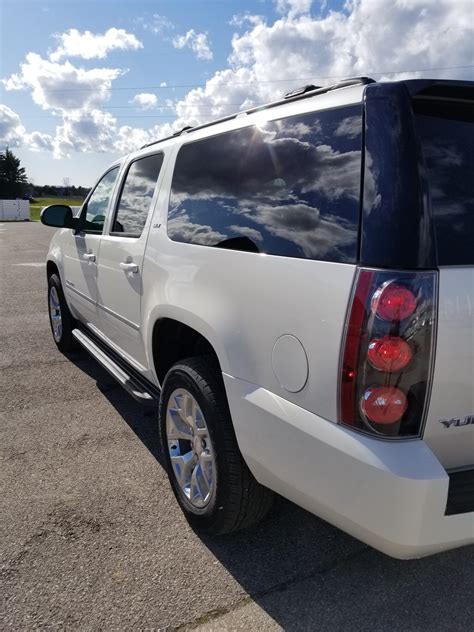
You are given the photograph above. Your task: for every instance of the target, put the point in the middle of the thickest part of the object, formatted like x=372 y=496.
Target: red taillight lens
x=394 y=302
x=384 y=404
x=389 y=354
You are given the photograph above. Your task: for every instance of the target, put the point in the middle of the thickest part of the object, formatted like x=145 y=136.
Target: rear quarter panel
x=452 y=395
x=243 y=302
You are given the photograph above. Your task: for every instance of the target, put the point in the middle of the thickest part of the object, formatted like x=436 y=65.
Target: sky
x=82 y=83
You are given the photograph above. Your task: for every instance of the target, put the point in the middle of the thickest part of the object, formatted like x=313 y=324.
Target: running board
x=140 y=389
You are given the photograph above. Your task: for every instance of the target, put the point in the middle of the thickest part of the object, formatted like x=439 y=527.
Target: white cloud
x=293 y=7
x=37 y=141
x=85 y=131
x=155 y=23
x=88 y=45
x=197 y=42
x=364 y=37
x=12 y=132
x=144 y=100
x=246 y=18
x=62 y=85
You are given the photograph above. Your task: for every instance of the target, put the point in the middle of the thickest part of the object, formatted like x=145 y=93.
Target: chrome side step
x=139 y=388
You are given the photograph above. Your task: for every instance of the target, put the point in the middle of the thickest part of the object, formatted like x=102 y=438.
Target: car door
x=121 y=258
x=81 y=251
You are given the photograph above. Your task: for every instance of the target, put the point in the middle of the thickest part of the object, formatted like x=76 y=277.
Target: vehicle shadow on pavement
x=293 y=565
x=141 y=420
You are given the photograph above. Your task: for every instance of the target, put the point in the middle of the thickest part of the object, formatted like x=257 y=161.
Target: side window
x=136 y=196
x=98 y=203
x=289 y=187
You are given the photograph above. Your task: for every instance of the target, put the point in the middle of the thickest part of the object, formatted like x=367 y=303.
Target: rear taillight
x=388 y=352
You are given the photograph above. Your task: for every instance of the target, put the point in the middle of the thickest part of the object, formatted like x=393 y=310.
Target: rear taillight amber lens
x=387 y=355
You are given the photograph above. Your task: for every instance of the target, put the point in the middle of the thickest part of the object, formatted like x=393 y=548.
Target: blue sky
x=73 y=100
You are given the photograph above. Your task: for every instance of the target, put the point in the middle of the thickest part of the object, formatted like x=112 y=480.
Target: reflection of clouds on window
x=184 y=230
x=98 y=202
x=448 y=149
x=245 y=231
x=443 y=154
x=137 y=195
x=279 y=185
x=304 y=226
x=372 y=198
x=443 y=161
x=337 y=174
x=349 y=126
x=285 y=127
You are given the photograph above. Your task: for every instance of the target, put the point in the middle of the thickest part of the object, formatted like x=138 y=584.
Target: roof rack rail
x=294 y=95
x=297 y=91
x=352 y=81
x=183 y=130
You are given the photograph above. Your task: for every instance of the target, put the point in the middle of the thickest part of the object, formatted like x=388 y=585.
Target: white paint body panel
x=80 y=274
x=453 y=388
x=389 y=494
x=234 y=300
x=120 y=292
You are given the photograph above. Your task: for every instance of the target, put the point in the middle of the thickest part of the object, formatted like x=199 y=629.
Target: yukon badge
x=457 y=421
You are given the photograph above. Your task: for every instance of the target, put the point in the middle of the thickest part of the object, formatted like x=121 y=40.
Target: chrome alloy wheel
x=55 y=314
x=190 y=448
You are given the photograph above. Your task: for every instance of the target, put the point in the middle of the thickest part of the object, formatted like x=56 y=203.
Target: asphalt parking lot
x=91 y=537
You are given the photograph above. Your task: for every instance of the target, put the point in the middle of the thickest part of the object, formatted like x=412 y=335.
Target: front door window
x=98 y=203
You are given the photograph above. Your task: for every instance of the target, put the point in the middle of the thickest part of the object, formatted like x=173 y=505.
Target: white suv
x=293 y=286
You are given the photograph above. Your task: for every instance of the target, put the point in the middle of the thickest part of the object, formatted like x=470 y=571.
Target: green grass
x=40 y=203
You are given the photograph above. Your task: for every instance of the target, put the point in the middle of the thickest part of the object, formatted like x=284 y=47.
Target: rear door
x=81 y=251
x=446 y=131
x=121 y=258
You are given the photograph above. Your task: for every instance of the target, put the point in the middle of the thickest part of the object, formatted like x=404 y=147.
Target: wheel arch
x=172 y=340
x=52 y=268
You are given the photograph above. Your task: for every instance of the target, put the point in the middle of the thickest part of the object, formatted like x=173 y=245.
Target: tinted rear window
x=447 y=137
x=288 y=187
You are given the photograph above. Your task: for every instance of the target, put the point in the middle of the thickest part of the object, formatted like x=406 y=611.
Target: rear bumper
x=391 y=495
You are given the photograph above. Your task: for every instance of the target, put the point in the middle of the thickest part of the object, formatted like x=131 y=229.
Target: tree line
x=14 y=182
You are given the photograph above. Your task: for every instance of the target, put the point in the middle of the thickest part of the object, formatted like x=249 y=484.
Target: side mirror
x=58 y=215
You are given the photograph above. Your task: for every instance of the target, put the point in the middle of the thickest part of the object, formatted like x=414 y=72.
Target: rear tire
x=60 y=318
x=212 y=484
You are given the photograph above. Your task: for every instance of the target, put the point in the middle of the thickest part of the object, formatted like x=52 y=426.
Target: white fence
x=15 y=210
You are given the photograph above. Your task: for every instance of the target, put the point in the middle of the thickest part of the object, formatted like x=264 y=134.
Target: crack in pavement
x=211 y=615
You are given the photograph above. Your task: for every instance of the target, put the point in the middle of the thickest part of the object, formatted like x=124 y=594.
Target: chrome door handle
x=89 y=256
x=129 y=267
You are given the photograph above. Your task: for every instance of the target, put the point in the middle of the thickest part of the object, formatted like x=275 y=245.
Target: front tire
x=60 y=318
x=211 y=482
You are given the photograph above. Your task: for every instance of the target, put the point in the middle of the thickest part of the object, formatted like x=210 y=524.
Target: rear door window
x=446 y=132
x=136 y=196
x=288 y=187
